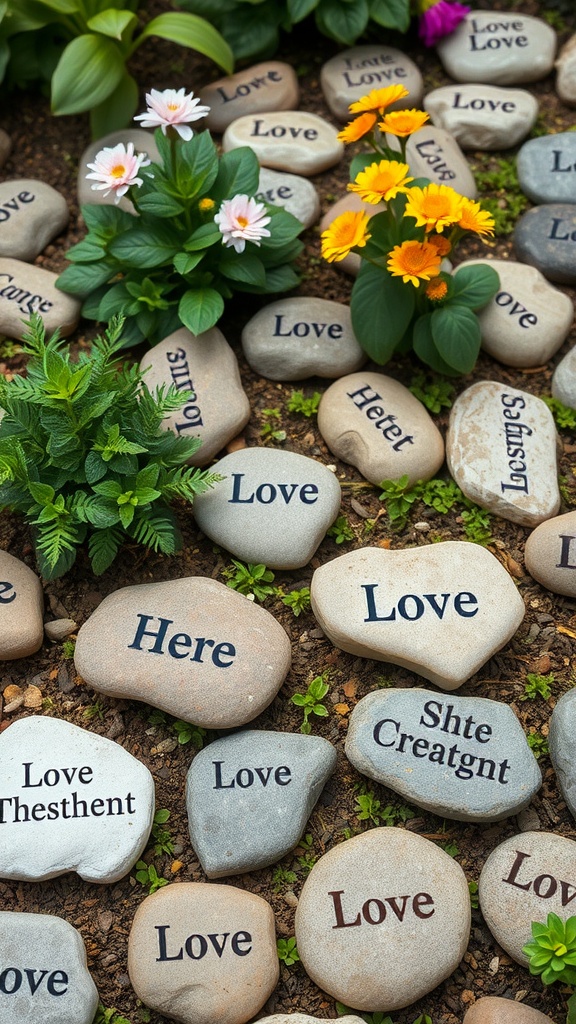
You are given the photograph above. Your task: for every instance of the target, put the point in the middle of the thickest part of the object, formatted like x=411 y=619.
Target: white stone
x=294 y=193
x=550 y=554
x=353 y=73
x=27 y=289
x=566 y=72
x=434 y=153
x=501 y=451
x=289 y=140
x=32 y=213
x=349 y=202
x=271 y=85
x=483 y=116
x=562 y=742
x=440 y=610
x=72 y=801
x=21 y=609
x=501 y=49
x=564 y=380
x=143 y=142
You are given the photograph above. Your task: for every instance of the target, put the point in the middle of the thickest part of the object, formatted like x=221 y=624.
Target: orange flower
x=473 y=218
x=436 y=289
x=347 y=232
x=442 y=245
x=434 y=206
x=414 y=262
x=358 y=128
x=381 y=181
x=403 y=122
x=379 y=99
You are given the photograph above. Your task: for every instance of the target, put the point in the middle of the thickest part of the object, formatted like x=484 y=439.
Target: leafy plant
x=477 y=526
x=398 y=499
x=162 y=838
x=451 y=848
x=311 y=701
x=298 y=600
x=147 y=875
x=552 y=955
x=564 y=416
x=251 y=580
x=287 y=951
x=473 y=890
x=434 y=392
x=109 y=1016
x=269 y=430
x=497 y=181
x=308 y=859
x=68 y=649
x=95 y=710
x=84 y=455
x=305 y=406
x=538 y=744
x=283 y=876
x=441 y=495
x=537 y=686
x=369 y=808
x=188 y=733
x=341 y=530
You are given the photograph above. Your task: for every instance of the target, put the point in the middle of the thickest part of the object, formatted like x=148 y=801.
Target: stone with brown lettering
x=27 y=289
x=566 y=72
x=545 y=237
x=272 y=85
x=550 y=554
x=355 y=72
x=382 y=919
x=501 y=48
x=288 y=140
x=496 y=1010
x=21 y=609
x=292 y=192
x=32 y=213
x=562 y=741
x=201 y=952
x=143 y=142
x=483 y=116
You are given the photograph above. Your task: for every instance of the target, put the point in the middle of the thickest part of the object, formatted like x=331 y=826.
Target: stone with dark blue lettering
x=21 y=609
x=143 y=142
x=550 y=554
x=355 y=72
x=410 y=607
x=249 y=796
x=483 y=116
x=272 y=507
x=433 y=153
x=272 y=85
x=287 y=140
x=545 y=237
x=294 y=193
x=26 y=289
x=71 y=801
x=501 y=451
x=562 y=742
x=43 y=971
x=564 y=380
x=465 y=758
x=32 y=213
x=546 y=168
x=500 y=48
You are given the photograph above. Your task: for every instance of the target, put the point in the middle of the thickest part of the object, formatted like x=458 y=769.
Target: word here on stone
x=498 y=48
x=550 y=554
x=483 y=116
x=21 y=609
x=287 y=140
x=562 y=739
x=272 y=85
x=433 y=153
x=465 y=758
x=355 y=72
x=545 y=237
x=71 y=801
x=441 y=610
x=32 y=213
x=292 y=192
x=547 y=168
x=192 y=647
x=26 y=289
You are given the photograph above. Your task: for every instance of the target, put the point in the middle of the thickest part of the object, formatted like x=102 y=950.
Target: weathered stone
x=566 y=72
x=545 y=237
x=409 y=607
x=31 y=215
x=271 y=85
x=349 y=202
x=550 y=554
x=434 y=153
x=59 y=629
x=72 y=801
x=495 y=1010
x=27 y=289
x=382 y=919
x=304 y=1018
x=546 y=168
x=564 y=380
x=483 y=116
x=295 y=194
x=272 y=507
x=218 y=659
x=290 y=140
x=501 y=49
x=5 y=146
x=501 y=451
x=202 y=952
x=355 y=72
x=562 y=743
x=143 y=142
x=21 y=609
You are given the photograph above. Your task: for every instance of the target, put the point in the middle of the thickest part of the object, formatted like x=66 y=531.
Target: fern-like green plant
x=84 y=455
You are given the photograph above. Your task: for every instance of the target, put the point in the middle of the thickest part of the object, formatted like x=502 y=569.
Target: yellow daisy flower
x=434 y=207
x=347 y=232
x=414 y=262
x=381 y=181
x=379 y=99
x=473 y=218
x=436 y=289
x=358 y=128
x=403 y=122
x=442 y=245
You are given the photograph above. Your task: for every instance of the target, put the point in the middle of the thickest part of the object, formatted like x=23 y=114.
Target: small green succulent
x=552 y=952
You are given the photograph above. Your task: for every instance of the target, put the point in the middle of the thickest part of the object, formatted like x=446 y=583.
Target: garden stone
x=353 y=73
x=550 y=554
x=21 y=609
x=222 y=658
x=143 y=141
x=501 y=451
x=201 y=952
x=562 y=743
x=524 y=879
x=304 y=1018
x=272 y=507
x=271 y=85
x=496 y=1010
x=545 y=237
x=295 y=194
x=349 y=202
x=483 y=116
x=45 y=974
x=290 y=140
x=31 y=215
x=508 y=49
x=27 y=289
x=466 y=759
x=566 y=72
x=409 y=607
x=205 y=365
x=72 y=801
x=382 y=919
x=527 y=320
x=376 y=424
x=433 y=153
x=322 y=342
x=249 y=796
x=564 y=380
x=546 y=168
x=5 y=146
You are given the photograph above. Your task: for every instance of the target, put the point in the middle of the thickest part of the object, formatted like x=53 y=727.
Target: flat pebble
x=249 y=796
x=349 y=202
x=550 y=554
x=495 y=1010
x=304 y=1018
x=382 y=919
x=483 y=116
x=376 y=424
x=288 y=140
x=223 y=658
x=501 y=451
x=202 y=952
x=5 y=146
x=21 y=608
x=294 y=193
x=566 y=72
x=143 y=142
x=501 y=49
x=271 y=85
x=27 y=289
x=32 y=213
x=84 y=803
x=545 y=168
x=353 y=73
x=562 y=743
x=434 y=153
x=564 y=380
x=272 y=507
x=545 y=237
x=368 y=602
x=59 y=629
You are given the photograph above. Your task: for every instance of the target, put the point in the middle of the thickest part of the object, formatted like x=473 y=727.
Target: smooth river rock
x=72 y=801
x=294 y=193
x=249 y=796
x=545 y=237
x=305 y=1018
x=483 y=116
x=564 y=380
x=465 y=758
x=498 y=48
x=272 y=507
x=550 y=554
x=143 y=141
x=32 y=213
x=376 y=424
x=21 y=609
x=496 y=1010
x=201 y=952
x=545 y=168
x=433 y=153
x=289 y=140
x=218 y=659
x=410 y=607
x=272 y=85
x=562 y=742
x=501 y=451
x=354 y=73
x=27 y=289
x=566 y=72
x=382 y=919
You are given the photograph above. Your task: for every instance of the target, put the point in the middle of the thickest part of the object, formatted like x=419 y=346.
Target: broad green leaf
x=253 y=31
x=381 y=308
x=87 y=251
x=117 y=110
x=238 y=174
x=43 y=494
x=284 y=228
x=104 y=221
x=82 y=278
x=160 y=205
x=457 y=337
x=88 y=72
x=425 y=349
x=245 y=267
x=391 y=13
x=203 y=238
x=191 y=31
x=200 y=309
x=185 y=262
x=197 y=166
x=342 y=21
x=475 y=286
x=144 y=248
x=299 y=9
x=112 y=22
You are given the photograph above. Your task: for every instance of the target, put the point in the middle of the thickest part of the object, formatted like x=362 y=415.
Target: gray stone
x=21 y=608
x=222 y=658
x=501 y=451
x=376 y=424
x=546 y=168
x=564 y=380
x=467 y=759
x=27 y=289
x=289 y=140
x=433 y=153
x=143 y=141
x=46 y=974
x=272 y=507
x=550 y=554
x=545 y=237
x=59 y=629
x=205 y=365
x=409 y=607
x=31 y=215
x=382 y=919
x=73 y=801
x=353 y=73
x=200 y=952
x=566 y=72
x=295 y=194
x=496 y=1010
x=483 y=116
x=350 y=201
x=5 y=146
x=524 y=879
x=501 y=49
x=562 y=742
x=249 y=796
x=322 y=342
x=271 y=85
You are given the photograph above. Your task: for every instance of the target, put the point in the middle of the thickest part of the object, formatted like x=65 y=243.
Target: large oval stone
x=495 y=1010
x=292 y=192
x=32 y=213
x=143 y=142
x=218 y=659
x=545 y=168
x=562 y=741
x=564 y=379
x=355 y=72
x=501 y=49
x=483 y=116
x=272 y=85
x=545 y=237
x=441 y=610
x=290 y=140
x=26 y=289
x=566 y=72
x=466 y=758
x=550 y=554
x=21 y=609
x=382 y=919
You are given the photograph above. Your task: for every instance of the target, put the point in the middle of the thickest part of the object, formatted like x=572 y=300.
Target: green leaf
x=475 y=286
x=390 y=304
x=391 y=14
x=103 y=547
x=88 y=71
x=203 y=238
x=144 y=247
x=200 y=309
x=160 y=205
x=425 y=349
x=43 y=494
x=341 y=20
x=117 y=110
x=246 y=267
x=185 y=262
x=84 y=278
x=197 y=165
x=238 y=174
x=457 y=336
x=299 y=9
x=193 y=32
x=112 y=22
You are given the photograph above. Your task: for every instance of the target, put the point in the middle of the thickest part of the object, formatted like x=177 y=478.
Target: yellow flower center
x=118 y=172
x=173 y=106
x=436 y=289
x=206 y=204
x=435 y=207
x=242 y=222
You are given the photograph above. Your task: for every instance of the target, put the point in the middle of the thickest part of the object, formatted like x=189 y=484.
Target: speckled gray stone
x=294 y=193
x=566 y=72
x=143 y=141
x=249 y=796
x=499 y=48
x=26 y=289
x=32 y=213
x=496 y=1010
x=545 y=237
x=550 y=554
x=271 y=85
x=287 y=140
x=562 y=743
x=546 y=168
x=21 y=609
x=564 y=380
x=483 y=116
x=355 y=72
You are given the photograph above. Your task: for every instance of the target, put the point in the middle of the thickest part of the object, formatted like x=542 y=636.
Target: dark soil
x=49 y=149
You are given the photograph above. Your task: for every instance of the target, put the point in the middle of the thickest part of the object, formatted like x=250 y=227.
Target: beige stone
x=21 y=609
x=507 y=49
x=550 y=554
x=288 y=140
x=271 y=85
x=27 y=289
x=495 y=1010
x=353 y=73
x=305 y=1018
x=434 y=153
x=32 y=213
x=483 y=116
x=566 y=72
